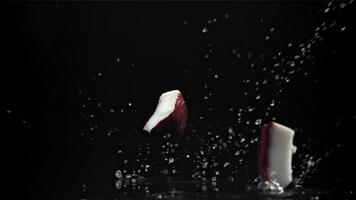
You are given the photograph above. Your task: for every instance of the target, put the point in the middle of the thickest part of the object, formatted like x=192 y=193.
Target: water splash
x=221 y=150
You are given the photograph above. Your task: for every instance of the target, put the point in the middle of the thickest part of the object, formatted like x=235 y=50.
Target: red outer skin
x=263 y=164
x=178 y=118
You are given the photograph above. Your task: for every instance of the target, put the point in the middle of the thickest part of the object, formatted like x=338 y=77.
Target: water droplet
x=272 y=103
x=258 y=121
x=119 y=183
x=205 y=164
x=117 y=60
x=226 y=164
x=170 y=160
x=118 y=174
x=112 y=110
x=258 y=97
x=276 y=77
x=100 y=74
x=230 y=130
x=205 y=30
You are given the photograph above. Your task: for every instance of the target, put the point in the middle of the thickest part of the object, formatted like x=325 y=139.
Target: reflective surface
x=171 y=189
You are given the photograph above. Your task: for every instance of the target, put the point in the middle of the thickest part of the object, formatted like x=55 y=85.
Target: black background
x=50 y=51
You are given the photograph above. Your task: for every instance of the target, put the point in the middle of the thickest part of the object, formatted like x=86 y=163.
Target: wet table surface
x=179 y=189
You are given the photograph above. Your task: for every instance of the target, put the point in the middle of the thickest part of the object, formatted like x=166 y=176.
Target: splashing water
x=270 y=186
x=219 y=152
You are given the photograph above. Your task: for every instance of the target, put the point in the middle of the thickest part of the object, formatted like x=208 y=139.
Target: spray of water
x=203 y=150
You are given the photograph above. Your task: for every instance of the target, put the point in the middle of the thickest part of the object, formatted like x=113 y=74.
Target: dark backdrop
x=57 y=57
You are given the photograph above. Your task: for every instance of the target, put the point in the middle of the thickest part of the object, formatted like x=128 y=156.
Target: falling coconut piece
x=171 y=111
x=275 y=156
